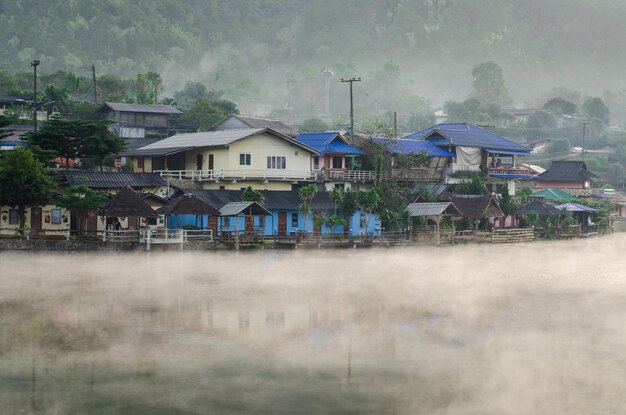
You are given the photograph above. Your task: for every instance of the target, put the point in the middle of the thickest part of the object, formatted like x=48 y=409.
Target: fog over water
x=517 y=329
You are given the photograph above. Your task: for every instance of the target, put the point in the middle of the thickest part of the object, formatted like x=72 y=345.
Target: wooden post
x=437 y=228
x=236 y=233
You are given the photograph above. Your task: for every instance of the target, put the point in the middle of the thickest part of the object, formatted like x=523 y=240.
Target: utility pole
x=395 y=124
x=35 y=64
x=351 y=81
x=585 y=124
x=93 y=77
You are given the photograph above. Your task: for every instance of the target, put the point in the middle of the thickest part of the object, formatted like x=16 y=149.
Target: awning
x=507 y=153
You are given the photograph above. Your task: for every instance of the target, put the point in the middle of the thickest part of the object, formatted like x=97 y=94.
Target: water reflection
x=515 y=329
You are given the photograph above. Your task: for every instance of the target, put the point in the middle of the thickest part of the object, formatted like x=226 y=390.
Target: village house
x=477 y=208
x=337 y=163
x=137 y=121
x=410 y=160
x=48 y=220
x=228 y=159
x=14 y=139
x=285 y=216
x=570 y=176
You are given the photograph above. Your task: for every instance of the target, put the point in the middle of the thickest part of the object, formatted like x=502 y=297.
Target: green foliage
x=540 y=123
x=596 y=110
x=474 y=186
x=23 y=181
x=524 y=193
x=205 y=113
x=473 y=111
x=148 y=86
x=506 y=203
x=560 y=107
x=558 y=145
x=307 y=193
x=81 y=199
x=253 y=195
x=348 y=204
x=99 y=142
x=488 y=85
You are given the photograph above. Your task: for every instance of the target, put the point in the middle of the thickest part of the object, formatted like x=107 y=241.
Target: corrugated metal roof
x=429 y=209
x=122 y=107
x=539 y=208
x=16 y=132
x=135 y=143
x=477 y=206
x=218 y=139
x=112 y=180
x=274 y=199
x=405 y=146
x=328 y=142
x=553 y=194
x=156 y=152
x=575 y=207
x=575 y=171
x=235 y=208
x=255 y=122
x=465 y=134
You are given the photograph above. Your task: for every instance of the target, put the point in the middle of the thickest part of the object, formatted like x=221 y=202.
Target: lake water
x=518 y=329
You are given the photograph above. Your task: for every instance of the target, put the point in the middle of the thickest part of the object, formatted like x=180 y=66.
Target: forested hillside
x=250 y=47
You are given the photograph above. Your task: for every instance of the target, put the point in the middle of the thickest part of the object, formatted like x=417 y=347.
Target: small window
x=294 y=220
x=227 y=222
x=152 y=221
x=316 y=163
x=56 y=216
x=140 y=163
x=337 y=162
x=14 y=217
x=245 y=159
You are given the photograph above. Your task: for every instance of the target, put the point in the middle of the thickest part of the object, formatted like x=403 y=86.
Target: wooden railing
x=270 y=174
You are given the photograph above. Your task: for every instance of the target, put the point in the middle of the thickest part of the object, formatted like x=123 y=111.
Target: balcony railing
x=286 y=175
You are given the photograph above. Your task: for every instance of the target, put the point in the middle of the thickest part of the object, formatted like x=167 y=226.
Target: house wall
x=220 y=158
x=544 y=184
x=230 y=185
x=263 y=145
x=46 y=221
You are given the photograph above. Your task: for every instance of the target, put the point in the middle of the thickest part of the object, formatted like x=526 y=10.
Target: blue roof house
x=403 y=158
x=337 y=160
x=476 y=149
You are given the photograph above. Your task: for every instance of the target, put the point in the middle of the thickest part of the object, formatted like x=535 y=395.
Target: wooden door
x=213 y=225
x=199 y=162
x=91 y=227
x=282 y=223
x=249 y=223
x=210 y=161
x=316 y=227
x=35 y=219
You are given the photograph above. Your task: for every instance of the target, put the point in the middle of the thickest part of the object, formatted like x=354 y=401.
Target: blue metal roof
x=465 y=134
x=328 y=142
x=404 y=146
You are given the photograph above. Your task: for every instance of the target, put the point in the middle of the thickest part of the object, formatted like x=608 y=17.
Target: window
x=140 y=163
x=14 y=217
x=245 y=159
x=152 y=221
x=56 y=216
x=337 y=162
x=276 y=162
x=294 y=220
x=316 y=163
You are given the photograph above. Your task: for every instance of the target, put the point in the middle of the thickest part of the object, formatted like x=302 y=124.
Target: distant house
x=139 y=120
x=570 y=176
x=398 y=153
x=336 y=164
x=229 y=159
x=286 y=217
x=14 y=140
x=476 y=150
x=235 y=122
x=47 y=220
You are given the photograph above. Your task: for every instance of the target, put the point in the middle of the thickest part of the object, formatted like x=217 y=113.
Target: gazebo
x=250 y=210
x=434 y=212
x=126 y=204
x=582 y=213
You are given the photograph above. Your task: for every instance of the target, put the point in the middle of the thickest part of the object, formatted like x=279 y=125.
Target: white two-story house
x=229 y=159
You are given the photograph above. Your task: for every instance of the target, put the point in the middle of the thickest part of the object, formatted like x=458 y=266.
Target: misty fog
x=457 y=330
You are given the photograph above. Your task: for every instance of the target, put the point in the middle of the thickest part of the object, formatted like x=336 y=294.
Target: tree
x=488 y=84
x=148 y=86
x=99 y=142
x=368 y=202
x=205 y=113
x=559 y=145
x=473 y=186
x=507 y=205
x=307 y=193
x=253 y=195
x=23 y=181
x=560 y=107
x=596 y=110
x=538 y=122
x=80 y=199
x=59 y=138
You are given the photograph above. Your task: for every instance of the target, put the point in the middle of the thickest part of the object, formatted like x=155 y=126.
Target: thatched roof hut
x=127 y=203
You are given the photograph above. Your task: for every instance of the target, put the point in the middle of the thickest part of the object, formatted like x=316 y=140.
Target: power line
x=351 y=81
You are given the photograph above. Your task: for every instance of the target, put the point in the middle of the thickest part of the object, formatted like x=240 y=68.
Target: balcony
x=271 y=175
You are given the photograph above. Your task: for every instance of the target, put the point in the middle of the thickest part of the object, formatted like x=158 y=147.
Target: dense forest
x=267 y=55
